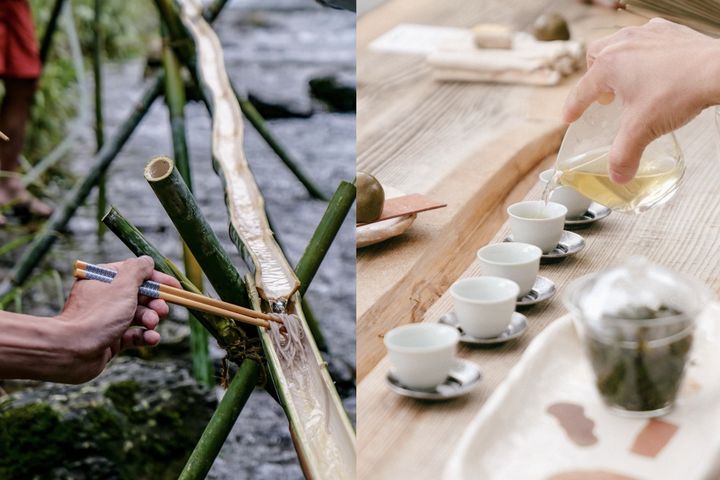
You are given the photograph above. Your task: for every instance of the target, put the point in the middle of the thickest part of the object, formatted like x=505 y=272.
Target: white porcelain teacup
x=536 y=223
x=519 y=262
x=422 y=353
x=484 y=305
x=575 y=202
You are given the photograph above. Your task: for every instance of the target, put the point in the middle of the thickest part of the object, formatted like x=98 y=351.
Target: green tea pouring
x=582 y=163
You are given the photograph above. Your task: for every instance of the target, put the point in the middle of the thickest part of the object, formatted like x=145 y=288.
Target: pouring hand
x=664 y=74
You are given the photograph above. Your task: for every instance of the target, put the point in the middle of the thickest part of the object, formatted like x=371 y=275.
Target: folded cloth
x=528 y=62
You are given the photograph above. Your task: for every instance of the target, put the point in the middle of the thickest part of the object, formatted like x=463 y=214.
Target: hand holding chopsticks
x=182 y=297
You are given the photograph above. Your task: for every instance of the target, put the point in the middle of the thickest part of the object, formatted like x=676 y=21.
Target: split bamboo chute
x=181 y=297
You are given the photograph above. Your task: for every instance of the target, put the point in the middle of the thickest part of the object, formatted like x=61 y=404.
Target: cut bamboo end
x=159 y=168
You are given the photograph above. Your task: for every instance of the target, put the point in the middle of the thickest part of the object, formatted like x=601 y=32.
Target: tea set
x=577 y=192
x=423 y=355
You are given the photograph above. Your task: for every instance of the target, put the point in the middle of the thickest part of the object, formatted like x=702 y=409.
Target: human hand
x=104 y=319
x=664 y=74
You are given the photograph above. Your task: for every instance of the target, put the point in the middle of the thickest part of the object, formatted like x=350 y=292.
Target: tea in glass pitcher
x=582 y=164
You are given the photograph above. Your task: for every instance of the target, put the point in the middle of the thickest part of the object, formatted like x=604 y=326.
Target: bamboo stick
x=180 y=206
x=175 y=100
x=221 y=423
x=258 y=122
x=325 y=233
x=50 y=30
x=99 y=123
x=46 y=237
x=4 y=137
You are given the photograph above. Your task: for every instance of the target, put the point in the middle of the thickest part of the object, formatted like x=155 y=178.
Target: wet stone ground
x=272 y=48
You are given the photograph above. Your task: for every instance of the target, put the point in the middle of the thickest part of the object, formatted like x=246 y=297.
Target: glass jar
x=582 y=163
x=636 y=323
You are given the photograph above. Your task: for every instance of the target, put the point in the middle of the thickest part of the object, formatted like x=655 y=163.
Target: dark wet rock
x=270 y=109
x=338 y=95
x=138 y=420
x=340 y=4
x=343 y=374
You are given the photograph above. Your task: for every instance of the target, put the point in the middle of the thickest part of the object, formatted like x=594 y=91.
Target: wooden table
x=468 y=145
x=406 y=280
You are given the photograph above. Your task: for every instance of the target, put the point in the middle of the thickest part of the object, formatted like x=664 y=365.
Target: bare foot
x=24 y=204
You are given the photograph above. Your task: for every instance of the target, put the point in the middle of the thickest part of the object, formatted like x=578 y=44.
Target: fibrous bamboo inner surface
x=322 y=433
x=274 y=277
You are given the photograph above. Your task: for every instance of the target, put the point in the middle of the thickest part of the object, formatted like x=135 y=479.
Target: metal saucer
x=594 y=213
x=570 y=243
x=463 y=377
x=518 y=325
x=543 y=289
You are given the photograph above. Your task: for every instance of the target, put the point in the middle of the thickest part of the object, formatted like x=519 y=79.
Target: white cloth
x=528 y=62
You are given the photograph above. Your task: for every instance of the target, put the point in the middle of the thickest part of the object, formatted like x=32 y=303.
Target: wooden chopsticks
x=182 y=297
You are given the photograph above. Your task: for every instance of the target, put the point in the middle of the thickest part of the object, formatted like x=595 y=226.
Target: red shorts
x=19 y=57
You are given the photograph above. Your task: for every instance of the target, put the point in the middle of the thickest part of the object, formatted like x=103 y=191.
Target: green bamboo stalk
x=222 y=421
x=99 y=123
x=317 y=248
x=50 y=30
x=175 y=99
x=180 y=37
x=258 y=122
x=325 y=233
x=58 y=221
x=180 y=205
x=213 y=10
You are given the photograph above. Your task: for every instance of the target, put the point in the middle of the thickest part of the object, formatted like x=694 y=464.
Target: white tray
x=513 y=436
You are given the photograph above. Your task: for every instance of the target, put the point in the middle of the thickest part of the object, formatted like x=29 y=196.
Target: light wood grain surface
x=467 y=145
x=402 y=438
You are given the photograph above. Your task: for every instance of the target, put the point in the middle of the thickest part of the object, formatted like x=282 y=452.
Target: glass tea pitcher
x=582 y=163
x=636 y=323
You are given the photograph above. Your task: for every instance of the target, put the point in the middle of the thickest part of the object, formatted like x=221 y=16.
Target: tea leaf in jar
x=645 y=374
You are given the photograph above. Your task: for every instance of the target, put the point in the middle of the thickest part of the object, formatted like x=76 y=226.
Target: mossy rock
x=138 y=420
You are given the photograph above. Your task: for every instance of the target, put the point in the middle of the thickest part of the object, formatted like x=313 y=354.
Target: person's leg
x=14 y=114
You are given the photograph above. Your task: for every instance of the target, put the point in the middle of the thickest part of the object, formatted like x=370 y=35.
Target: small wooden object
x=406 y=205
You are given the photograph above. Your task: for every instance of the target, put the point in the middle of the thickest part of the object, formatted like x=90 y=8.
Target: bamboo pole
x=175 y=100
x=180 y=40
x=46 y=237
x=258 y=122
x=50 y=30
x=76 y=197
x=325 y=233
x=222 y=421
x=180 y=205
x=99 y=123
